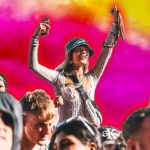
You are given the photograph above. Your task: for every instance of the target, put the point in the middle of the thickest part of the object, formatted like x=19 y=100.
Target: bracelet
x=105 y=45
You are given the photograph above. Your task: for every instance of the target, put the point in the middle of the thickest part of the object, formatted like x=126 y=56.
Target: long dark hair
x=66 y=67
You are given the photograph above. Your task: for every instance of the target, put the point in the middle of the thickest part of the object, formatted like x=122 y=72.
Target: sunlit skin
x=80 y=56
x=141 y=141
x=70 y=142
x=58 y=101
x=108 y=147
x=37 y=132
x=6 y=136
x=2 y=85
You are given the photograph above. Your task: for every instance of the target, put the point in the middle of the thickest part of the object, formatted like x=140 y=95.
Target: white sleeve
x=42 y=71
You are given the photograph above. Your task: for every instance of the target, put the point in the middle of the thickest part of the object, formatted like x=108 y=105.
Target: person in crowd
x=76 y=133
x=136 y=130
x=120 y=143
x=109 y=135
x=11 y=124
x=3 y=83
x=40 y=118
x=58 y=101
x=72 y=79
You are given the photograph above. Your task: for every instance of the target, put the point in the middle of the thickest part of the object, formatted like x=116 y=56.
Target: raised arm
x=107 y=46
x=42 y=71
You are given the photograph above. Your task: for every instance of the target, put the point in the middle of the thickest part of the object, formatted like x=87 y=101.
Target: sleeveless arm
x=34 y=65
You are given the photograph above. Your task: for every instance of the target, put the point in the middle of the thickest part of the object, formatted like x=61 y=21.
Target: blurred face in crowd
x=108 y=147
x=2 y=85
x=6 y=132
x=141 y=141
x=70 y=142
x=37 y=131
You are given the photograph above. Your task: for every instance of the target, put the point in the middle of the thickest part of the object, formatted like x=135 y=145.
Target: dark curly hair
x=133 y=124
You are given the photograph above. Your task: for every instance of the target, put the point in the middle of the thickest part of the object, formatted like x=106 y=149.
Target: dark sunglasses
x=7 y=119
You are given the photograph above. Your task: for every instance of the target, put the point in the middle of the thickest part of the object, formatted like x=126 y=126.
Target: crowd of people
x=32 y=124
x=72 y=121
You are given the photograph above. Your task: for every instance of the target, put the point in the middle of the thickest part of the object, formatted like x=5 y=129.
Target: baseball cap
x=109 y=134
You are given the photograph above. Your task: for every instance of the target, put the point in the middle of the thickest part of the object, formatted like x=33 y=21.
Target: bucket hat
x=72 y=44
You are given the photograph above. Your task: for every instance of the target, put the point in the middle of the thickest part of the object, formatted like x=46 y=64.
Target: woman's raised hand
x=118 y=20
x=43 y=27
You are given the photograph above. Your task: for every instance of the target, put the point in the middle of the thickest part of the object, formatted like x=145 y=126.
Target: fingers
x=118 y=21
x=58 y=101
x=44 y=24
x=113 y=9
x=115 y=12
x=44 y=28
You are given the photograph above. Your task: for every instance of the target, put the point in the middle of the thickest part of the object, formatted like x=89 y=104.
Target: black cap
x=109 y=134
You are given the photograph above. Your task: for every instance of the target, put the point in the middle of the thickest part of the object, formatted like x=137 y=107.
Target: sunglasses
x=7 y=119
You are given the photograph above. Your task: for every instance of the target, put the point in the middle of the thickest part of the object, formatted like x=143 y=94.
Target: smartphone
x=45 y=20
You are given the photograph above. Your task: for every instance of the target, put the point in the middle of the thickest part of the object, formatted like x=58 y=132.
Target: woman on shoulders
x=73 y=72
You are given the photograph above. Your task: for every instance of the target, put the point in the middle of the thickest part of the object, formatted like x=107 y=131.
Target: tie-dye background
x=125 y=84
